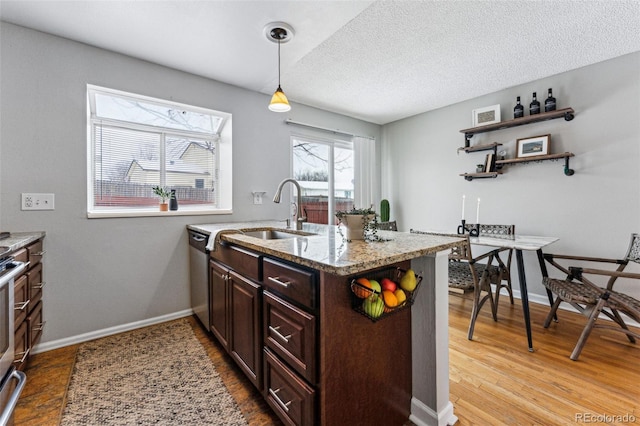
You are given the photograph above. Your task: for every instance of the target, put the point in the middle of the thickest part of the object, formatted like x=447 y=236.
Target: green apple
x=375 y=285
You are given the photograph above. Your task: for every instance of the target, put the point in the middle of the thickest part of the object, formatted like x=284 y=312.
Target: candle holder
x=473 y=230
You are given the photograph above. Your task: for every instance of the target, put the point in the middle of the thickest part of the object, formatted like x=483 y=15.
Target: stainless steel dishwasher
x=199 y=276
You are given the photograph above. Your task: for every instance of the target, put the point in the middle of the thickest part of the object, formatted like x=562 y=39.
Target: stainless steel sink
x=275 y=234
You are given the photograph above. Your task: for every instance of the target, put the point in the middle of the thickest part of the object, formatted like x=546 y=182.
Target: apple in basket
x=388 y=285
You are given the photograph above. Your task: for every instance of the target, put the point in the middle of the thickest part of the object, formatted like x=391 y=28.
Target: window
x=325 y=171
x=136 y=143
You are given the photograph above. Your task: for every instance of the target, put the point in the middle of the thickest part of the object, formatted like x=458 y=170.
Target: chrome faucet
x=276 y=199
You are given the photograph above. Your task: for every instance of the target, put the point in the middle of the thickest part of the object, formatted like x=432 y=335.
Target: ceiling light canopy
x=279 y=32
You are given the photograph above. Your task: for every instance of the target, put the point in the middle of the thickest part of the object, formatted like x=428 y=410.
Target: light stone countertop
x=17 y=240
x=327 y=250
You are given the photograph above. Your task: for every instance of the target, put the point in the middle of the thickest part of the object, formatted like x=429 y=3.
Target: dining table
x=520 y=243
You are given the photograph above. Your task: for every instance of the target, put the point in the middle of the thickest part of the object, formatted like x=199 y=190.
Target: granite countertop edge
x=345 y=258
x=18 y=240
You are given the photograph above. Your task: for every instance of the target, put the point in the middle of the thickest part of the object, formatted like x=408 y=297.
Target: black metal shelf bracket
x=467 y=139
x=568 y=116
x=567 y=170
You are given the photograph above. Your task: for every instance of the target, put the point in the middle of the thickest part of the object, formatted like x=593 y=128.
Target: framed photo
x=534 y=146
x=486 y=115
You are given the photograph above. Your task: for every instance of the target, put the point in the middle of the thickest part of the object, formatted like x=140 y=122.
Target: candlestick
x=478 y=212
x=463 y=207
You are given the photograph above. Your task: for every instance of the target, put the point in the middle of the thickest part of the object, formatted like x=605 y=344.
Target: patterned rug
x=158 y=375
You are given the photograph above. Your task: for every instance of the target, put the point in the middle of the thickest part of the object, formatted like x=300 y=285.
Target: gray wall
x=103 y=273
x=592 y=212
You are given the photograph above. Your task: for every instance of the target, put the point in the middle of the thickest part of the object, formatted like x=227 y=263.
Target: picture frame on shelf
x=486 y=115
x=533 y=146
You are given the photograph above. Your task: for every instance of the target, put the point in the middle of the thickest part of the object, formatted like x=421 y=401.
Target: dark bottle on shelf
x=518 y=110
x=550 y=103
x=534 y=106
x=173 y=201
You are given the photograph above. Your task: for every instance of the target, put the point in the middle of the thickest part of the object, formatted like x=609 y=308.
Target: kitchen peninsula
x=281 y=306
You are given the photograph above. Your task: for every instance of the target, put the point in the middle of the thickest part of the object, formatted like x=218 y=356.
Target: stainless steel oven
x=11 y=380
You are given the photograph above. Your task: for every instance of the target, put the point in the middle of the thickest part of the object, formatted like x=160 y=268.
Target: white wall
x=592 y=212
x=103 y=273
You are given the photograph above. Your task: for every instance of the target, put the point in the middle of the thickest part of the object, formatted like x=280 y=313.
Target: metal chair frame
x=590 y=299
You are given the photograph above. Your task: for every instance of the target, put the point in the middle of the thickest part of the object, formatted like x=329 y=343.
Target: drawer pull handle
x=21 y=306
x=277 y=281
x=39 y=327
x=24 y=354
x=39 y=253
x=274 y=395
x=275 y=331
x=38 y=286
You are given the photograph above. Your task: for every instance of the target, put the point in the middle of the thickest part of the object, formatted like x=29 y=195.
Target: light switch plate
x=32 y=201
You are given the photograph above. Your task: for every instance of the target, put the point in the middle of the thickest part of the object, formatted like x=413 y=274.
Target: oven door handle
x=13 y=399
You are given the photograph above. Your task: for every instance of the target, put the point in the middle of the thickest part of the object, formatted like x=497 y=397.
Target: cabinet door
x=246 y=332
x=219 y=295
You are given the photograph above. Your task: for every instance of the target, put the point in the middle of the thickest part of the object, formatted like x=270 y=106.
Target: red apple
x=388 y=284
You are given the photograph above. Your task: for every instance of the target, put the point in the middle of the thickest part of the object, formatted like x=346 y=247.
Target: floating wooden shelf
x=535 y=158
x=483 y=147
x=484 y=175
x=566 y=113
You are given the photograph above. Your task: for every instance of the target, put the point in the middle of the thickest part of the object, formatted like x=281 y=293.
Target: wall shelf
x=483 y=147
x=566 y=113
x=565 y=155
x=484 y=175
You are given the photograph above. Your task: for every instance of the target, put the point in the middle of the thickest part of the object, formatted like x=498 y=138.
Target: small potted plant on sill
x=164 y=195
x=360 y=223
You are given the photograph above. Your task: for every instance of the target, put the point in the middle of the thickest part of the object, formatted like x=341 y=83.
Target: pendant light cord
x=278 y=62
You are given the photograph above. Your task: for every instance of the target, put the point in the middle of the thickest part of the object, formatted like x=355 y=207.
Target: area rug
x=158 y=375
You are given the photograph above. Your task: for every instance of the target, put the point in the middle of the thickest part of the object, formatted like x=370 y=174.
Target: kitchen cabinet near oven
x=28 y=312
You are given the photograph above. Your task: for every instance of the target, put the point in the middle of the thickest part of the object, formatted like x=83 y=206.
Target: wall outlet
x=257 y=196
x=31 y=201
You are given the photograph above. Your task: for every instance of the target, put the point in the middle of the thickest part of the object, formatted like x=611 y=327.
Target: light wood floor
x=494 y=379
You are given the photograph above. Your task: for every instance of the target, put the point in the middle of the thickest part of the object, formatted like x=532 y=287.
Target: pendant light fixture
x=279 y=32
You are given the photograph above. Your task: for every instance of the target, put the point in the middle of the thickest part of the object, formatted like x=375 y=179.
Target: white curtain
x=365 y=157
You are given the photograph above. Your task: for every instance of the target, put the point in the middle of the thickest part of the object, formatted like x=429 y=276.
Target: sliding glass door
x=326 y=173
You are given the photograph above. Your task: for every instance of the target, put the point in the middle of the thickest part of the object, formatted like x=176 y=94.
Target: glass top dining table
x=519 y=243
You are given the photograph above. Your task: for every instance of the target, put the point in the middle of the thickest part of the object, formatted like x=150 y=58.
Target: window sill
x=105 y=214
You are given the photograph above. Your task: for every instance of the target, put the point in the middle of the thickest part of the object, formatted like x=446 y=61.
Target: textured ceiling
x=379 y=61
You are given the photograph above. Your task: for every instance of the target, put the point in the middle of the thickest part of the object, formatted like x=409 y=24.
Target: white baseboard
x=73 y=340
x=422 y=415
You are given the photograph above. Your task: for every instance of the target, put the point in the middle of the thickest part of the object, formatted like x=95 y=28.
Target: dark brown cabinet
x=219 y=301
x=236 y=307
x=29 y=320
x=245 y=343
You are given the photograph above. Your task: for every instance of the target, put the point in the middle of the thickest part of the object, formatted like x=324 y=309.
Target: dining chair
x=468 y=274
x=591 y=299
x=388 y=226
x=507 y=232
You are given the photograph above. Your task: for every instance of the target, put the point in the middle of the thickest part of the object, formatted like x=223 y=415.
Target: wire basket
x=374 y=310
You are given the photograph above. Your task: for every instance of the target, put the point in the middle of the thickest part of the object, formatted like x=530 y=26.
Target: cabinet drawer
x=34 y=276
x=21 y=255
x=35 y=252
x=291 y=333
x=294 y=283
x=289 y=396
x=21 y=302
x=21 y=346
x=243 y=261
x=35 y=321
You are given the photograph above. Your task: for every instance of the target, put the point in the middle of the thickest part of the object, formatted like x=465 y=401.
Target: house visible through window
x=137 y=143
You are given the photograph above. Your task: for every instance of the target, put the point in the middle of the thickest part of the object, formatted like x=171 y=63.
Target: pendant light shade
x=279 y=32
x=279 y=101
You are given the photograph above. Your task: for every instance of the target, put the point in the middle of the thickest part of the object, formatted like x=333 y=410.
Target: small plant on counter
x=164 y=195
x=369 y=224
x=384 y=210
